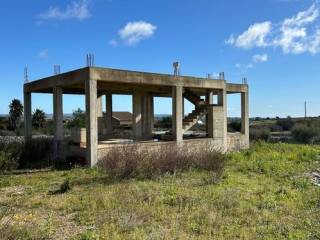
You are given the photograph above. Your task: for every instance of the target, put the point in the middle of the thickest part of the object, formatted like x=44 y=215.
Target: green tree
x=38 y=118
x=15 y=114
x=78 y=119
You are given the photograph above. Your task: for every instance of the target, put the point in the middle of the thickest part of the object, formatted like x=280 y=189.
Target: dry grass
x=134 y=161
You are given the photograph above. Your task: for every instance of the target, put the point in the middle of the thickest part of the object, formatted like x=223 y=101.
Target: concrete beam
x=64 y=79
x=91 y=122
x=177 y=97
x=137 y=115
x=236 y=88
x=27 y=116
x=117 y=76
x=109 y=112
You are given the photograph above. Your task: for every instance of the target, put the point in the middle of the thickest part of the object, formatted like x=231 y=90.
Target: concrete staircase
x=200 y=110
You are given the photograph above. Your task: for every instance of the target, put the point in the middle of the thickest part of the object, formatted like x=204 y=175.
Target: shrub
x=286 y=123
x=234 y=126
x=257 y=134
x=63 y=188
x=304 y=133
x=17 y=155
x=78 y=119
x=132 y=161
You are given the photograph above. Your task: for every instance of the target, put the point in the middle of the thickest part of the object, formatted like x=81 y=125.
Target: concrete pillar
x=222 y=99
x=144 y=115
x=91 y=122
x=137 y=115
x=101 y=121
x=177 y=97
x=209 y=100
x=58 y=113
x=150 y=106
x=217 y=123
x=209 y=97
x=147 y=116
x=109 y=113
x=99 y=106
x=58 y=122
x=27 y=116
x=245 y=114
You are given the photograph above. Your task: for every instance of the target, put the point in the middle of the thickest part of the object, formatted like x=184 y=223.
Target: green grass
x=264 y=194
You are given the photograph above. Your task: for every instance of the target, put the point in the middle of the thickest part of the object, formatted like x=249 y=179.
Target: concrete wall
x=237 y=142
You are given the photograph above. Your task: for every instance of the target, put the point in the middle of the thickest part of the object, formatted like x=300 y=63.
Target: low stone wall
x=237 y=142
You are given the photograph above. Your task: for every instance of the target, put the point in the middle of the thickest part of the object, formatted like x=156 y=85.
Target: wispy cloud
x=43 y=54
x=134 y=32
x=78 y=10
x=258 y=58
x=297 y=34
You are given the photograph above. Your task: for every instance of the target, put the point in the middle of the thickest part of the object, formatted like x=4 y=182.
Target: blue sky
x=274 y=43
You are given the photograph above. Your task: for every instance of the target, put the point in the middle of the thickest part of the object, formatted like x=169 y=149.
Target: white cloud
x=43 y=54
x=295 y=35
x=77 y=10
x=253 y=37
x=134 y=32
x=260 y=58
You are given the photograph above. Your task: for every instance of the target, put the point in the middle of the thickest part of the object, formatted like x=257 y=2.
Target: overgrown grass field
x=265 y=193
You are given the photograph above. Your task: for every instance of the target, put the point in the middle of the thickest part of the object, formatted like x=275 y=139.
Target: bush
x=286 y=124
x=234 y=126
x=132 y=161
x=257 y=134
x=305 y=133
x=78 y=119
x=16 y=155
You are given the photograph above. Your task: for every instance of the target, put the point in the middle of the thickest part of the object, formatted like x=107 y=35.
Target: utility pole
x=305 y=110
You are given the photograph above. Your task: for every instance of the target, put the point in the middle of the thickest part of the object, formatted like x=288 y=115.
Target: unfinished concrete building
x=97 y=83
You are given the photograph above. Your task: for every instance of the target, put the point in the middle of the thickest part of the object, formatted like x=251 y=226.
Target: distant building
x=121 y=119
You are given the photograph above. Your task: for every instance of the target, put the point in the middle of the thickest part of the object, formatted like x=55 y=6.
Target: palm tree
x=38 y=118
x=15 y=114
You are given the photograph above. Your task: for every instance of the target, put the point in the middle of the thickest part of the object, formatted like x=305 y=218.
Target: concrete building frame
x=96 y=83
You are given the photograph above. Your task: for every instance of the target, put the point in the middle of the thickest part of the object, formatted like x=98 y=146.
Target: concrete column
x=58 y=121
x=101 y=121
x=58 y=113
x=144 y=115
x=91 y=122
x=222 y=100
x=27 y=116
x=209 y=100
x=177 y=97
x=99 y=106
x=147 y=116
x=245 y=114
x=150 y=107
x=209 y=97
x=217 y=123
x=109 y=112
x=137 y=115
